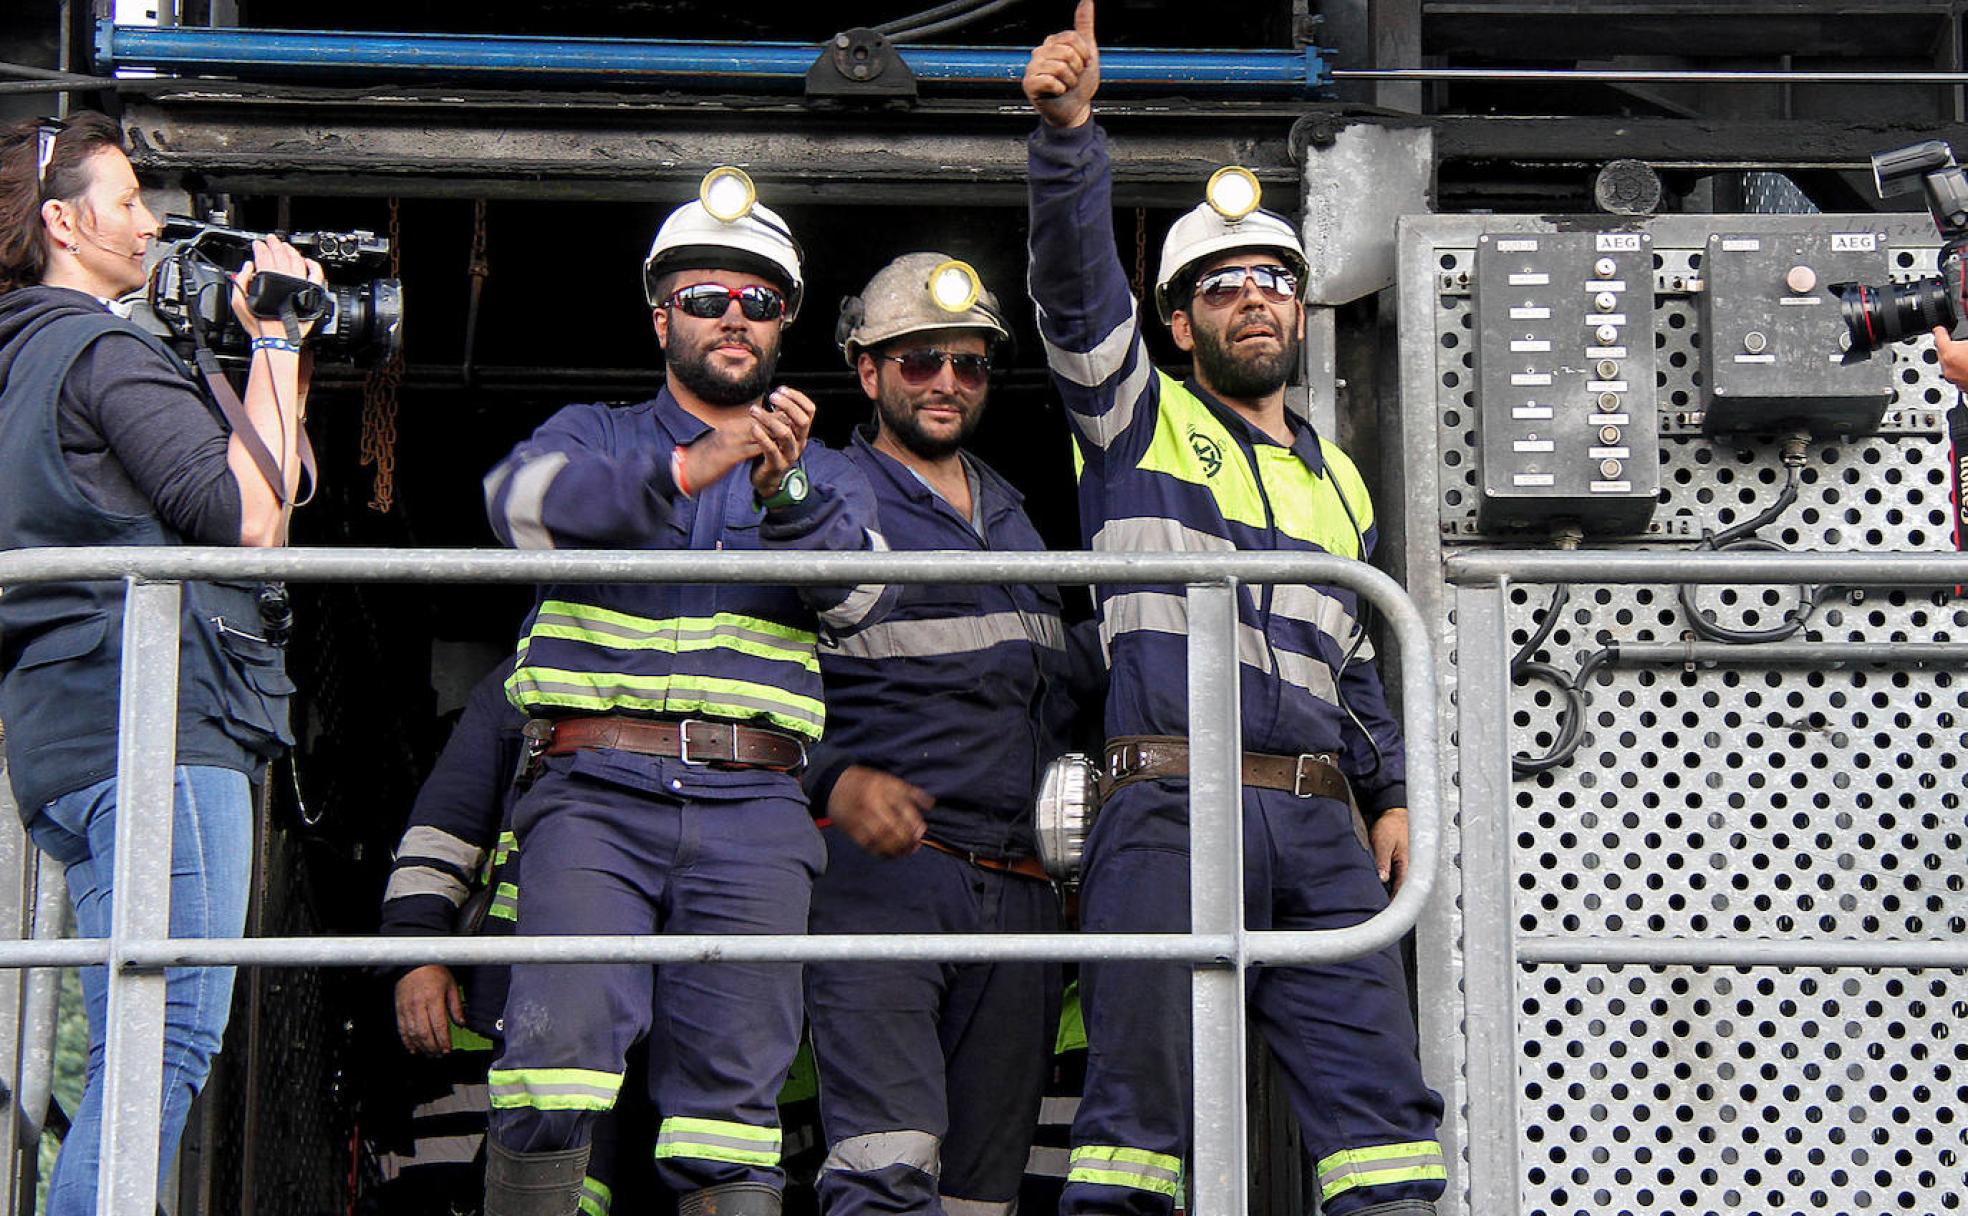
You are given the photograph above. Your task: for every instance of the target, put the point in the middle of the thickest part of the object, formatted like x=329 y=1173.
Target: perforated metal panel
x=1748 y=801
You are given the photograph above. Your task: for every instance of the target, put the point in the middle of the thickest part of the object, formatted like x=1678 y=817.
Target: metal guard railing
x=1217 y=947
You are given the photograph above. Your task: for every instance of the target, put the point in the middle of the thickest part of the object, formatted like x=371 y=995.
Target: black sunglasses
x=709 y=301
x=45 y=134
x=925 y=363
x=1224 y=284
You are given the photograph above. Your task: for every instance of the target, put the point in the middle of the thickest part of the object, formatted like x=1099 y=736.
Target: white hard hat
x=1204 y=233
x=917 y=293
x=756 y=241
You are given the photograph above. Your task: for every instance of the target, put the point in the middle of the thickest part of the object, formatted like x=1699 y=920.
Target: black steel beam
x=505 y=146
x=1680 y=143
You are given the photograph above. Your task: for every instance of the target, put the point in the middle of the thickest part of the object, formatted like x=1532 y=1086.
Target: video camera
x=1875 y=315
x=357 y=318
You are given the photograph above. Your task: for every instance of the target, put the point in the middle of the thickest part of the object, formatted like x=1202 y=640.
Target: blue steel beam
x=186 y=50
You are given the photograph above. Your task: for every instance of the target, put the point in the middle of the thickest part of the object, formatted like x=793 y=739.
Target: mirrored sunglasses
x=708 y=301
x=1224 y=284
x=924 y=364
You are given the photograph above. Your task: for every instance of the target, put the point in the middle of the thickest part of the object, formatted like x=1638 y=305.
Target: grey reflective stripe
x=526 y=502
x=1327 y=613
x=1377 y=1165
x=1104 y=429
x=438 y=845
x=862 y=600
x=634 y=633
x=1160 y=612
x=703 y=1139
x=1103 y=362
x=953 y=1206
x=527 y=680
x=406 y=881
x=879 y=1150
x=1155 y=533
x=444 y=1150
x=950 y=635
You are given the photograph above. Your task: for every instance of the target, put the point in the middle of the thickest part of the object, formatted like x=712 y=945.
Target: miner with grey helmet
x=667 y=726
x=941 y=719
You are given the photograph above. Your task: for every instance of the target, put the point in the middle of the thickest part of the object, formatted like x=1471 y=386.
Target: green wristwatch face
x=791 y=492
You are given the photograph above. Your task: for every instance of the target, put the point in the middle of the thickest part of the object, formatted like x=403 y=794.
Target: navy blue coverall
x=931 y=1073
x=1167 y=467
x=620 y=842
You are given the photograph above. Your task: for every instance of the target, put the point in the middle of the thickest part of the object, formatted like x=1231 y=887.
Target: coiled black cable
x=1741 y=537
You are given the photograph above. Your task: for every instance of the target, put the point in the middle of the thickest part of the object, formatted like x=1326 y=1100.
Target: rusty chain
x=379 y=395
x=1141 y=253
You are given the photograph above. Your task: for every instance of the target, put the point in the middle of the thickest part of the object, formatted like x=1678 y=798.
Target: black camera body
x=357 y=314
x=1878 y=314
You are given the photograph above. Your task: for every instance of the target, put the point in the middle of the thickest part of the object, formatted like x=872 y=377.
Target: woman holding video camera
x=107 y=438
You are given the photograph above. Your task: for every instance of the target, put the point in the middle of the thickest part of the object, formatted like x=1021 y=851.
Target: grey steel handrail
x=1218 y=947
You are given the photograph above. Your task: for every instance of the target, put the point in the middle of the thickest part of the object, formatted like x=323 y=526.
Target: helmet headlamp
x=727 y=193
x=954 y=286
x=1233 y=192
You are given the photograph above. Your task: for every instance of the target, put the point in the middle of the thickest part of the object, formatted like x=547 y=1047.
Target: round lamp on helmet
x=1233 y=192
x=954 y=286
x=727 y=193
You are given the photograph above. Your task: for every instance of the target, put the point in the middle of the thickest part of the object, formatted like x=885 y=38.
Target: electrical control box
x=1773 y=344
x=1566 y=422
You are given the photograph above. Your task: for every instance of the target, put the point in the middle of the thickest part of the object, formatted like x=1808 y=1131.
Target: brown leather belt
x=1024 y=867
x=693 y=741
x=1133 y=758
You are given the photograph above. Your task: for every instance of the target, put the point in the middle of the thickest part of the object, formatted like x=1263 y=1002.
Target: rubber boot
x=731 y=1199
x=533 y=1184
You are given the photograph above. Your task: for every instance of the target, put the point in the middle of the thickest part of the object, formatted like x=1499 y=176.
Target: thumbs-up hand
x=1064 y=72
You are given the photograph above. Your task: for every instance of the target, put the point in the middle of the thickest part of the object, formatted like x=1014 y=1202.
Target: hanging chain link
x=1141 y=253
x=379 y=395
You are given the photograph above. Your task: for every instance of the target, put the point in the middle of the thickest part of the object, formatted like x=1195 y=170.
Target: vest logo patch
x=1206 y=451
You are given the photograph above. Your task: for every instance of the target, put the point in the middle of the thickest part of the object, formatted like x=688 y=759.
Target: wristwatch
x=793 y=489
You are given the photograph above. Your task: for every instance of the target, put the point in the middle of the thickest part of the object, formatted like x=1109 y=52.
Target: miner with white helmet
x=940 y=719
x=667 y=728
x=1214 y=463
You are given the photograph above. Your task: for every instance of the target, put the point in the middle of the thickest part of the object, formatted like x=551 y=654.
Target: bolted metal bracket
x=860 y=63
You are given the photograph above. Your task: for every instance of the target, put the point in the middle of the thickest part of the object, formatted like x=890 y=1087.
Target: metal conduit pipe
x=658 y=63
x=1640 y=76
x=1812 y=654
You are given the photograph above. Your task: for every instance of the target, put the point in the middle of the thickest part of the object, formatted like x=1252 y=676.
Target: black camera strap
x=249 y=435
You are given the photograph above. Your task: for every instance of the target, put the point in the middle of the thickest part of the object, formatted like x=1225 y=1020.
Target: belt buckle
x=683 y=743
x=1298 y=772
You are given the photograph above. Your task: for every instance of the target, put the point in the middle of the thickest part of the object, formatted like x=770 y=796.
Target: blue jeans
x=211 y=860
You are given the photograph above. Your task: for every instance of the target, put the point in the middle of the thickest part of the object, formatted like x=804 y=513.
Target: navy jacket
x=61 y=643
x=961 y=690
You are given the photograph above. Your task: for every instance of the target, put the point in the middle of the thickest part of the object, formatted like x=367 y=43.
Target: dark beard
x=898 y=418
x=693 y=370
x=1242 y=377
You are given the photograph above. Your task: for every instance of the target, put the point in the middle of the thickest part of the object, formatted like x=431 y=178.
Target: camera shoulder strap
x=235 y=415
x=1957 y=425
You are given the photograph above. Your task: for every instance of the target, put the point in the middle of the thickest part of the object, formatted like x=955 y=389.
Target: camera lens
x=1876 y=316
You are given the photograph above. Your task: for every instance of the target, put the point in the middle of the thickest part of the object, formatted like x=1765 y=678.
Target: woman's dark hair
x=23 y=251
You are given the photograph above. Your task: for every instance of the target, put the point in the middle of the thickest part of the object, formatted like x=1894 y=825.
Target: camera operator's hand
x=1064 y=72
x=781 y=435
x=1954 y=357
x=275 y=255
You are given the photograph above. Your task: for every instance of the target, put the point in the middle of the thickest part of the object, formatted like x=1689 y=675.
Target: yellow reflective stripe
x=1381 y=1165
x=464 y=1038
x=678 y=643
x=505 y=902
x=507 y=846
x=1307 y=507
x=596 y=1197
x=537 y=687
x=1190 y=445
x=718 y=1140
x=554 y=1088
x=629 y=622
x=1136 y=1168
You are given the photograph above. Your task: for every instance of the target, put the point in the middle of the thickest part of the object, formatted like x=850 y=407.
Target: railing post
x=1220 y=1183
x=16 y=900
x=1489 y=968
x=147 y=745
